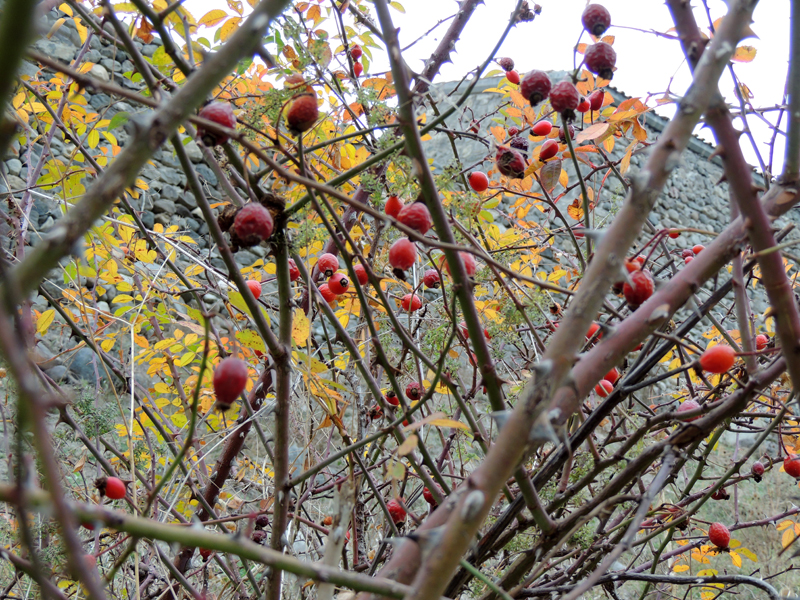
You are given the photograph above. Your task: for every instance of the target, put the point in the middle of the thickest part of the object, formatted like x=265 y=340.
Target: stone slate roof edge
x=653 y=121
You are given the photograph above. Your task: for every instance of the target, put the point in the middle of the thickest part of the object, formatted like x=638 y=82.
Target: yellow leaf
x=448 y=423
x=300 y=327
x=229 y=28
x=744 y=54
x=251 y=339
x=213 y=17
x=749 y=554
x=408 y=446
x=680 y=568
x=787 y=537
x=737 y=560
x=44 y=321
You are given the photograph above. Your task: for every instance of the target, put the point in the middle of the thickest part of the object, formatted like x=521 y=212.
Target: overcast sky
x=645 y=62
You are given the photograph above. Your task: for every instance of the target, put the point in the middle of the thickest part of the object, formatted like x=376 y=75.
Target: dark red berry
x=416 y=216
x=757 y=469
x=535 y=87
x=259 y=536
x=687 y=253
x=328 y=264
x=513 y=130
x=402 y=254
x=478 y=181
x=431 y=278
x=393 y=206
x=230 y=379
x=720 y=494
x=356 y=52
x=252 y=225
x=220 y=113
x=719 y=535
x=294 y=272
x=520 y=143
x=510 y=162
x=205 y=553
x=564 y=98
x=549 y=150
x=375 y=412
x=562 y=134
x=303 y=113
x=513 y=77
x=361 y=274
x=600 y=58
x=596 y=99
x=596 y=19
x=639 y=289
x=338 y=283
x=262 y=521
x=414 y=391
x=411 y=303
x=396 y=512
x=507 y=64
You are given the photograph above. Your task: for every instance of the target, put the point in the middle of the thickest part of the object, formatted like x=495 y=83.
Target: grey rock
x=61 y=52
x=85 y=366
x=207 y=174
x=99 y=72
x=187 y=199
x=100 y=101
x=14 y=183
x=14 y=166
x=164 y=219
x=93 y=56
x=193 y=151
x=164 y=206
x=245 y=258
x=104 y=307
x=111 y=65
x=170 y=192
x=149 y=49
x=170 y=176
x=148 y=219
x=127 y=66
x=184 y=212
x=58 y=373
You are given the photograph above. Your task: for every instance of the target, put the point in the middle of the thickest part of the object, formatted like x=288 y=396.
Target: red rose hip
x=396 y=512
x=600 y=59
x=111 y=487
x=604 y=388
x=510 y=162
x=513 y=77
x=761 y=341
x=220 y=113
x=791 y=464
x=303 y=113
x=328 y=264
x=596 y=99
x=326 y=293
x=411 y=303
x=542 y=128
x=478 y=181
x=564 y=98
x=535 y=87
x=393 y=206
x=338 y=283
x=294 y=272
x=431 y=278
x=719 y=535
x=230 y=379
x=596 y=19
x=252 y=225
x=416 y=216
x=549 y=150
x=414 y=391
x=639 y=289
x=361 y=274
x=687 y=406
x=255 y=287
x=717 y=359
x=402 y=255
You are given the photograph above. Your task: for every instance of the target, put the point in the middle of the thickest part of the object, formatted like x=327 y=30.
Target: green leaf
x=118 y=119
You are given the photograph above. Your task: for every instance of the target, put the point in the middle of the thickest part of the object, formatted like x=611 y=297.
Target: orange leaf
x=549 y=174
x=575 y=210
x=598 y=130
x=744 y=54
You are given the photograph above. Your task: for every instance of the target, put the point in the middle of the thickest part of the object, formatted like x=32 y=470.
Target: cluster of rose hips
x=564 y=97
x=414 y=391
x=355 y=54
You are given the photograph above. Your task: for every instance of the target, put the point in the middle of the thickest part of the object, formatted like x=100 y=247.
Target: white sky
x=645 y=62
